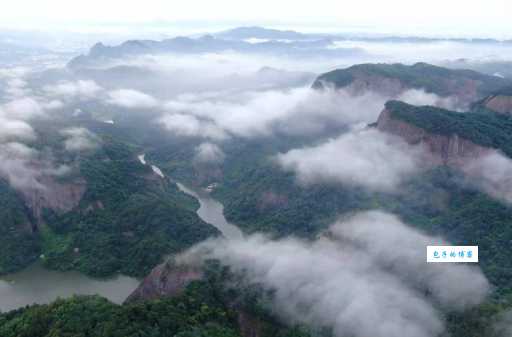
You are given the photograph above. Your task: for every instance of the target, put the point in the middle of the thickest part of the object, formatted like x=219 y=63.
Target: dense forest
x=486 y=128
x=127 y=220
x=18 y=247
x=130 y=219
x=259 y=196
x=220 y=305
x=205 y=309
x=434 y=79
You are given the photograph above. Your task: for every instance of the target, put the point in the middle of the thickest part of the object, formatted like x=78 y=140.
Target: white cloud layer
x=187 y=125
x=209 y=153
x=368 y=278
x=81 y=89
x=300 y=111
x=492 y=173
x=23 y=167
x=128 y=98
x=15 y=130
x=263 y=113
x=79 y=139
x=22 y=108
x=366 y=158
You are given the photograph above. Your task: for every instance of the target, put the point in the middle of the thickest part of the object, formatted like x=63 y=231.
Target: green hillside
x=127 y=220
x=434 y=79
x=486 y=129
x=203 y=310
x=18 y=246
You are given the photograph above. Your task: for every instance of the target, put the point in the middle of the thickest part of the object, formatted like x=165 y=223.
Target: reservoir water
x=36 y=284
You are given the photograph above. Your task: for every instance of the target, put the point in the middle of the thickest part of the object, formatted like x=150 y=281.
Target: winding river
x=36 y=284
x=210 y=210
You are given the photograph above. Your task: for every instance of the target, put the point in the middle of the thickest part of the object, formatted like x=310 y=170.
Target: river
x=210 y=210
x=36 y=284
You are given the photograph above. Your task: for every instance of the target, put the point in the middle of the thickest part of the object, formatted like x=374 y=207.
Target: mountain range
x=434 y=156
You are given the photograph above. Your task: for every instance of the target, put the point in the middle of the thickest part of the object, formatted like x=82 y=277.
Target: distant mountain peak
x=241 y=33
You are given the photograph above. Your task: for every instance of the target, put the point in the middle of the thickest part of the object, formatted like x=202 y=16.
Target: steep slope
x=393 y=79
x=106 y=213
x=18 y=244
x=451 y=136
x=128 y=219
x=500 y=101
x=201 y=308
x=166 y=280
x=244 y=301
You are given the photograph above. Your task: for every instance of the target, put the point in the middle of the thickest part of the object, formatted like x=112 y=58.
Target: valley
x=257 y=182
x=37 y=285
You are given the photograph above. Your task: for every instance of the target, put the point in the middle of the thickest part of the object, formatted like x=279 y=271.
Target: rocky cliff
x=449 y=149
x=171 y=278
x=499 y=103
x=166 y=280
x=391 y=80
x=60 y=197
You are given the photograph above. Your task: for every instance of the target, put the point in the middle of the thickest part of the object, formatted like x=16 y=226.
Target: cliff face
x=465 y=90
x=363 y=82
x=170 y=279
x=449 y=150
x=56 y=196
x=499 y=103
x=391 y=80
x=165 y=280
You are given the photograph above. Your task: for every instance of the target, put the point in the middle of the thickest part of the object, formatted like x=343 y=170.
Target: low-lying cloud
x=367 y=157
x=209 y=153
x=128 y=98
x=22 y=108
x=299 y=111
x=190 y=126
x=23 y=166
x=492 y=173
x=81 y=89
x=11 y=129
x=421 y=97
x=79 y=139
x=367 y=277
x=260 y=114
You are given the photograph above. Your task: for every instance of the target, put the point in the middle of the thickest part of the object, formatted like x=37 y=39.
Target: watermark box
x=447 y=254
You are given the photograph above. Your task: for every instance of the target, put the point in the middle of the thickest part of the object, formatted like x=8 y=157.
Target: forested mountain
x=248 y=196
x=393 y=79
x=109 y=213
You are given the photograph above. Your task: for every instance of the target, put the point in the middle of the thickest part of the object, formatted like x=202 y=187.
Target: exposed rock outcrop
x=166 y=280
x=171 y=278
x=54 y=195
x=392 y=80
x=451 y=150
x=499 y=103
x=363 y=82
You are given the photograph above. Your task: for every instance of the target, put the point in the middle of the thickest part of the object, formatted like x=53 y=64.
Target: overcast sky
x=407 y=17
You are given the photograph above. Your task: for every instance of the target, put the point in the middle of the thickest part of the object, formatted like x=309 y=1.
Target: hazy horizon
x=395 y=17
